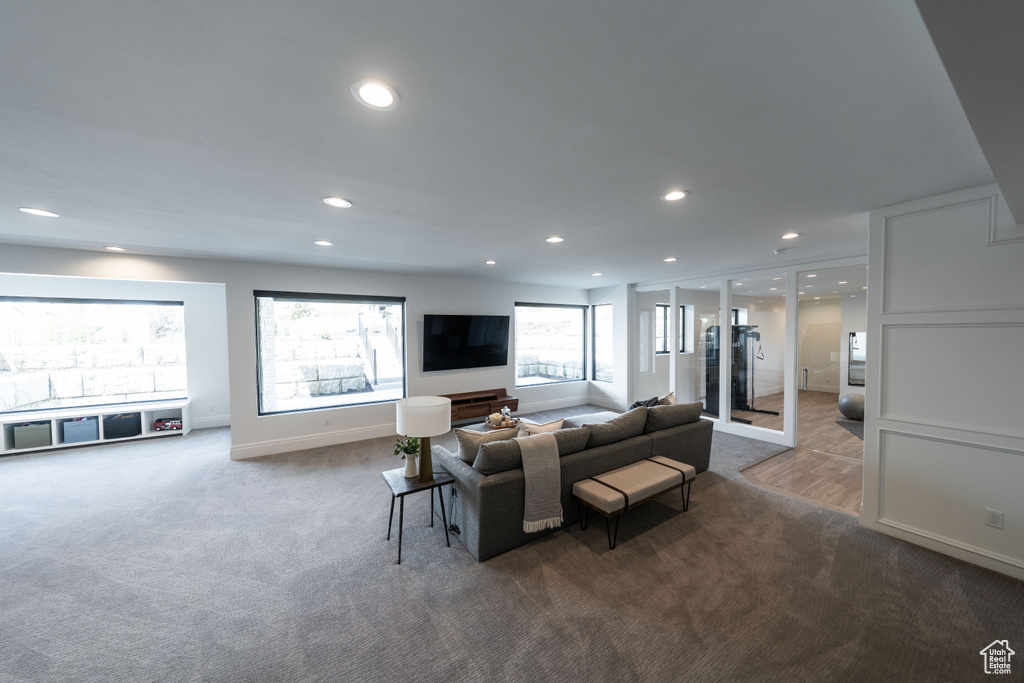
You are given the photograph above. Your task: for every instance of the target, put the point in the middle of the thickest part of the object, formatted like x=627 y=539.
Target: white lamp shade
x=423 y=415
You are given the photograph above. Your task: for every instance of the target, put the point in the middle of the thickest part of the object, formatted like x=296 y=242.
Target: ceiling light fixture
x=595 y=275
x=670 y=259
x=555 y=239
x=812 y=275
x=773 y=289
x=114 y=248
x=703 y=287
x=844 y=282
x=674 y=195
x=491 y=263
x=39 y=212
x=737 y=284
x=790 y=235
x=375 y=94
x=337 y=202
x=802 y=293
x=863 y=287
x=323 y=243
x=776 y=278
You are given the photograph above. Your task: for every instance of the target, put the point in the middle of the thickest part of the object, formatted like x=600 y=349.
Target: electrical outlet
x=327 y=422
x=993 y=518
x=210 y=408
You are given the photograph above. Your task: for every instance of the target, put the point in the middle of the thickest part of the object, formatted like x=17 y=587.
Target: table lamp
x=423 y=417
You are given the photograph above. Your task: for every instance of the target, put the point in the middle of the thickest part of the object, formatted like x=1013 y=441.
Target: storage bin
x=33 y=435
x=122 y=426
x=87 y=429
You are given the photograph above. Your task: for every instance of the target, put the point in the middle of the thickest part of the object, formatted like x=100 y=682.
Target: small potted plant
x=411 y=448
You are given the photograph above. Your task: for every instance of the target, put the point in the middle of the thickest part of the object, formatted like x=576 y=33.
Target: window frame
x=593 y=342
x=583 y=308
x=661 y=344
x=320 y=297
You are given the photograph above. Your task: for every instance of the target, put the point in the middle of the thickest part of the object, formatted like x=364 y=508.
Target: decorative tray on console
x=507 y=424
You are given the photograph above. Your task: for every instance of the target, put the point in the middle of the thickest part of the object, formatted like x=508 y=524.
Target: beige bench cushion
x=688 y=471
x=639 y=481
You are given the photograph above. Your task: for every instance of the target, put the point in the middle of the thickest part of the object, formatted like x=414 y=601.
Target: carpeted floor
x=165 y=561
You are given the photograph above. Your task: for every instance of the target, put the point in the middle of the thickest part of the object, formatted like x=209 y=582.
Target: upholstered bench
x=612 y=493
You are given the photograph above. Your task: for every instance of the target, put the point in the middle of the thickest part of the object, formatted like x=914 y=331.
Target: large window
x=322 y=351
x=57 y=353
x=550 y=343
x=662 y=322
x=603 y=333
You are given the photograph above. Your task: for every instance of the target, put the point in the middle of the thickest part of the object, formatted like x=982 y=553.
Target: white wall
x=820 y=326
x=206 y=346
x=944 y=434
x=252 y=435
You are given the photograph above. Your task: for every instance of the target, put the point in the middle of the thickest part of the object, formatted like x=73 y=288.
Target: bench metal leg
x=584 y=512
x=686 y=495
x=608 y=525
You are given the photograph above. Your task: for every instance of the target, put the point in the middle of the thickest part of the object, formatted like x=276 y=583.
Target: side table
x=402 y=487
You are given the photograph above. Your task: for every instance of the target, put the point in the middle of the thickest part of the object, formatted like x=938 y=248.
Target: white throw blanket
x=543 y=508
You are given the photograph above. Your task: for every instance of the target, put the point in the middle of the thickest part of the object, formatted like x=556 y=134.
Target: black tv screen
x=451 y=342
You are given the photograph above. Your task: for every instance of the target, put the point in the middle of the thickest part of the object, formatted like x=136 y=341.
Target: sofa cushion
x=663 y=417
x=589 y=419
x=668 y=399
x=528 y=427
x=625 y=426
x=470 y=441
x=500 y=456
x=648 y=402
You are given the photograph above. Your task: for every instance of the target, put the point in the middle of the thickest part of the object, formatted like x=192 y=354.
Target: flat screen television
x=451 y=342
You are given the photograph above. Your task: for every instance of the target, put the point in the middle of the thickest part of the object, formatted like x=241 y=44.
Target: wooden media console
x=472 y=404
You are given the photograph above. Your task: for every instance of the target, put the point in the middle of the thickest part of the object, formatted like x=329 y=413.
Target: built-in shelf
x=65 y=427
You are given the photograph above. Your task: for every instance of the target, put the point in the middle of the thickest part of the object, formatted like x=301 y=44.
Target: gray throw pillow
x=499 y=456
x=647 y=402
x=589 y=419
x=625 y=426
x=663 y=417
x=470 y=441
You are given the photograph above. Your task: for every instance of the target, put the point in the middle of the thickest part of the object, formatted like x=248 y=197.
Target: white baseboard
x=537 y=406
x=209 y=421
x=300 y=443
x=607 y=403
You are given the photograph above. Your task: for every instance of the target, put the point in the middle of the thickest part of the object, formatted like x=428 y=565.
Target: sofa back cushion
x=499 y=456
x=470 y=441
x=663 y=417
x=589 y=419
x=625 y=426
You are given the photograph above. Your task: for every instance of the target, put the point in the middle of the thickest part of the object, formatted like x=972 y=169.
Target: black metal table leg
x=401 y=519
x=391 y=517
x=444 y=517
x=432 y=510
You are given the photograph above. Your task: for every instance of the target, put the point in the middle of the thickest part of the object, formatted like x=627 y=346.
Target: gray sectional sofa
x=490 y=489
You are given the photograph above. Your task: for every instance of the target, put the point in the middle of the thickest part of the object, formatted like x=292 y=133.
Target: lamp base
x=426 y=467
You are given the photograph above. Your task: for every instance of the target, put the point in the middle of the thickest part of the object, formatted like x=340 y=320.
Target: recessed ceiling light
x=670 y=259
x=337 y=202
x=750 y=291
x=555 y=239
x=853 y=296
x=773 y=289
x=776 y=278
x=114 y=248
x=595 y=275
x=39 y=212
x=737 y=284
x=808 y=286
x=790 y=235
x=844 y=282
x=491 y=263
x=817 y=297
x=812 y=275
x=863 y=287
x=674 y=195
x=323 y=243
x=703 y=287
x=802 y=293
x=375 y=94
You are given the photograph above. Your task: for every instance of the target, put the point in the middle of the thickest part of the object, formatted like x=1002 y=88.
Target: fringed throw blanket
x=543 y=508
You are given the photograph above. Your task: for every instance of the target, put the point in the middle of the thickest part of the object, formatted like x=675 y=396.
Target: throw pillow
x=647 y=402
x=470 y=441
x=625 y=426
x=500 y=456
x=589 y=419
x=528 y=427
x=663 y=417
x=668 y=399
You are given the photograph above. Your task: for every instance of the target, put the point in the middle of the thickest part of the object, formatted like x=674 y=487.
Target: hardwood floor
x=826 y=467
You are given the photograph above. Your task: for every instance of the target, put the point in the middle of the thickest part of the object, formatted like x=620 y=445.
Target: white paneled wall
x=944 y=438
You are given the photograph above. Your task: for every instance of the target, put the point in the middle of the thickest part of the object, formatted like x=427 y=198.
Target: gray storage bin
x=34 y=435
x=76 y=431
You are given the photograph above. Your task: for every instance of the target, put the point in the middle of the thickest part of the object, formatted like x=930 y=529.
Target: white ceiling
x=213 y=129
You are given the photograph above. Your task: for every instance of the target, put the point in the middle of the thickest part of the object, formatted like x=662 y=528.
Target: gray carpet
x=853 y=426
x=165 y=561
